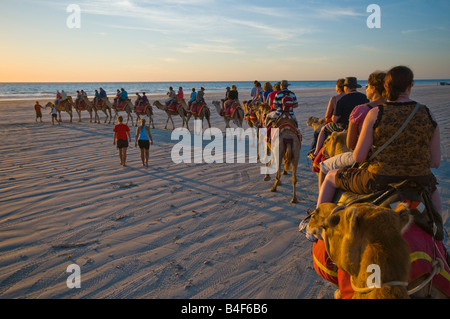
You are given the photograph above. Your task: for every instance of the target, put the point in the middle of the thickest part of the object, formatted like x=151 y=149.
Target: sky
x=209 y=40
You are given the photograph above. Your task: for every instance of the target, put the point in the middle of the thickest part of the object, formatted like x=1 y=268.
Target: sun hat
x=351 y=82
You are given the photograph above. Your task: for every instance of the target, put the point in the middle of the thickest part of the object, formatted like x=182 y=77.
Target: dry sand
x=169 y=231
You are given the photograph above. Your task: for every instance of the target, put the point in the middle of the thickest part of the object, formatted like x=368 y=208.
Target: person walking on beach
x=37 y=108
x=122 y=136
x=54 y=114
x=143 y=139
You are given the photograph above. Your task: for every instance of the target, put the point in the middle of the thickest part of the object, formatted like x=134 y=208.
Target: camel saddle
x=142 y=108
x=425 y=234
x=121 y=105
x=197 y=109
x=173 y=108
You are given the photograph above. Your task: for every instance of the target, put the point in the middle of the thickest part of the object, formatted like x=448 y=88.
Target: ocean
x=36 y=91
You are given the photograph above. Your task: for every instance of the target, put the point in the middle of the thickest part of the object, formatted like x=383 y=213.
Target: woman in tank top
x=143 y=139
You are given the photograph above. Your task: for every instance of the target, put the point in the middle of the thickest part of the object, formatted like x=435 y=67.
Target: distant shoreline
x=131 y=94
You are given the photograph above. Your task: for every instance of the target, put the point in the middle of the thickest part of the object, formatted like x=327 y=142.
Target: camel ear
x=352 y=219
x=332 y=221
x=404 y=215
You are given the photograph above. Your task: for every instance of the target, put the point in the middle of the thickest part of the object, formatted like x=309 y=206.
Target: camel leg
x=167 y=122
x=277 y=178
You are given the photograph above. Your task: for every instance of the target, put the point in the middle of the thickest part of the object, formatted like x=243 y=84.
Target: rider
x=193 y=98
x=139 y=100
x=145 y=99
x=233 y=96
x=123 y=95
x=285 y=101
x=171 y=97
x=58 y=97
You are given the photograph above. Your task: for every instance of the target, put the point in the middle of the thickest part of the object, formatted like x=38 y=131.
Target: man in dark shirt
x=347 y=103
x=344 y=108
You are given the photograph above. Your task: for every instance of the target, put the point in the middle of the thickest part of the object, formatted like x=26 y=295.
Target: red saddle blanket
x=173 y=108
x=120 y=106
x=82 y=105
x=197 y=109
x=422 y=249
x=142 y=108
x=231 y=110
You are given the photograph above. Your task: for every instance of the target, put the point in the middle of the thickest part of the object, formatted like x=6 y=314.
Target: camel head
x=159 y=105
x=49 y=104
x=362 y=235
x=315 y=122
x=335 y=144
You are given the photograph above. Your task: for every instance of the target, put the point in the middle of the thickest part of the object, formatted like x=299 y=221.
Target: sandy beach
x=172 y=231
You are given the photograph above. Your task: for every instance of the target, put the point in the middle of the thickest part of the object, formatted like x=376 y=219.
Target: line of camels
x=288 y=151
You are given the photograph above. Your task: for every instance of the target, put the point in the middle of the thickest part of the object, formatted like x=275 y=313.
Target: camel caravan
x=386 y=244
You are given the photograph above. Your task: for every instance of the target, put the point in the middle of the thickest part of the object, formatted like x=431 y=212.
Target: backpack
x=288 y=103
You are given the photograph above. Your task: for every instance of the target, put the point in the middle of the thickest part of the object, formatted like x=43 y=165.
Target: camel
x=128 y=109
x=148 y=111
x=238 y=116
x=63 y=106
x=85 y=105
x=363 y=235
x=205 y=114
x=181 y=111
x=286 y=148
x=335 y=144
x=252 y=111
x=105 y=106
x=315 y=123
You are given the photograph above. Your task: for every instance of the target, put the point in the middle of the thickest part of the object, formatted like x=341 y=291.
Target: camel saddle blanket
x=231 y=111
x=142 y=109
x=122 y=105
x=422 y=251
x=173 y=108
x=82 y=105
x=286 y=124
x=62 y=105
x=251 y=116
x=197 y=109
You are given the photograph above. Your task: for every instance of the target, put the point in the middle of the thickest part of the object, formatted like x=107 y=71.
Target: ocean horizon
x=48 y=90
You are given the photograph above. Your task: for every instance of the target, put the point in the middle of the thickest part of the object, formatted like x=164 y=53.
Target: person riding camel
x=233 y=97
x=171 y=97
x=138 y=100
x=285 y=102
x=193 y=97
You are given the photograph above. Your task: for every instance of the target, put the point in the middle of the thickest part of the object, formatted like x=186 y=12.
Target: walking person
x=37 y=108
x=54 y=114
x=144 y=139
x=122 y=136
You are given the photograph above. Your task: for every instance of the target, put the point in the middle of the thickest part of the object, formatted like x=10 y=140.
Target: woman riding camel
x=411 y=155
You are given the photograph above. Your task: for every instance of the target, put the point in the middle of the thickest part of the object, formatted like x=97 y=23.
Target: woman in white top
x=143 y=139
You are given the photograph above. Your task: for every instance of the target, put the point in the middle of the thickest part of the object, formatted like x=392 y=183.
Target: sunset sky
x=209 y=40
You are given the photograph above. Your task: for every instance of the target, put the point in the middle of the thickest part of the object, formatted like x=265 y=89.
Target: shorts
x=55 y=115
x=361 y=181
x=144 y=144
x=122 y=144
x=38 y=114
x=336 y=162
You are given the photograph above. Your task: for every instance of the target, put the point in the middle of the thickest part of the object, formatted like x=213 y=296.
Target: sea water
x=18 y=91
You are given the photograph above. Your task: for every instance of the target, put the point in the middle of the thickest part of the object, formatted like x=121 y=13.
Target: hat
x=285 y=83
x=352 y=83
